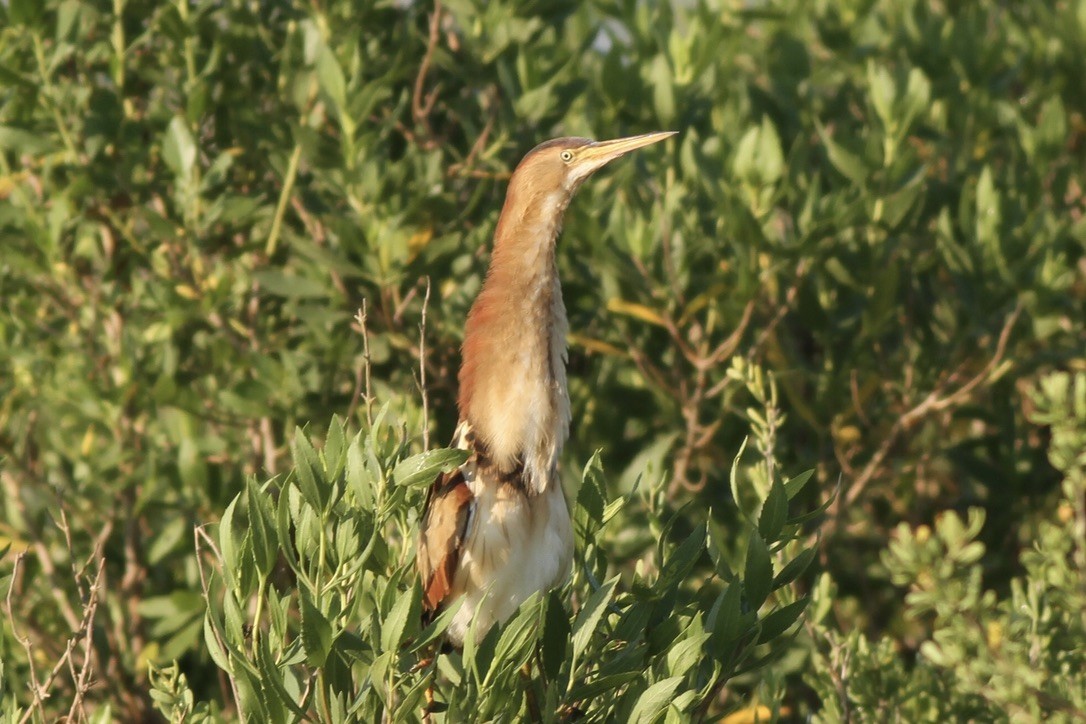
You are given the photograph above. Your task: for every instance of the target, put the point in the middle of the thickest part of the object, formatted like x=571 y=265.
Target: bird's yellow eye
x=567 y=156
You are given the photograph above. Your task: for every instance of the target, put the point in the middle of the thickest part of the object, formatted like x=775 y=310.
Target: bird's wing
x=445 y=522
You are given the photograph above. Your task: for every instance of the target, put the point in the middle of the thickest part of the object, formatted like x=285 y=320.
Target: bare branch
x=466 y=167
x=362 y=374
x=935 y=402
x=199 y=534
x=35 y=686
x=782 y=309
x=422 y=103
x=82 y=679
x=422 y=371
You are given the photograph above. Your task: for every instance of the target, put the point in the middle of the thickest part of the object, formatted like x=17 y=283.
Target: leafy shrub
x=981 y=654
x=314 y=607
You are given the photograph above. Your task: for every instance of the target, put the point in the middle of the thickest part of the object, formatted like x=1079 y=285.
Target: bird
x=497 y=529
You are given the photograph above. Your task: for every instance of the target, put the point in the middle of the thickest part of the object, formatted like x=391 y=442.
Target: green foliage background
x=879 y=204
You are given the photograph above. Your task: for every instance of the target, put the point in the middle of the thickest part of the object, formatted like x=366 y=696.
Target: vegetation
x=238 y=244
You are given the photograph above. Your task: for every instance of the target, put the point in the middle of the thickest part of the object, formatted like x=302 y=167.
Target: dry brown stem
x=938 y=400
x=422 y=102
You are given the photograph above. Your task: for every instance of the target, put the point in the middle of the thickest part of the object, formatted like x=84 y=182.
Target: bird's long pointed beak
x=602 y=152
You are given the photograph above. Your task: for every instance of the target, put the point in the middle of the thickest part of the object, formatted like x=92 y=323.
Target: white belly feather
x=516 y=546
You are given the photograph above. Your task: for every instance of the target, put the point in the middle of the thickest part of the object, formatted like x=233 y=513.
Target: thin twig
x=782 y=309
x=362 y=376
x=135 y=574
x=82 y=681
x=466 y=167
x=933 y=403
x=28 y=646
x=854 y=388
x=271 y=460
x=727 y=348
x=648 y=370
x=422 y=371
x=284 y=198
x=398 y=312
x=199 y=534
x=50 y=570
x=422 y=103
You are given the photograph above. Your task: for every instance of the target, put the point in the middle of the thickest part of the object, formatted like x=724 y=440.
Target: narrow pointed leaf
x=421 y=470
x=758 y=572
x=589 y=617
x=781 y=619
x=306 y=463
x=774 y=512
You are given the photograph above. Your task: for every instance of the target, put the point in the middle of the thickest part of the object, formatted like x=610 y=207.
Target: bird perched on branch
x=497 y=529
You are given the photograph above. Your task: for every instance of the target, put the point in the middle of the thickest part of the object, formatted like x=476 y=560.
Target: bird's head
x=563 y=164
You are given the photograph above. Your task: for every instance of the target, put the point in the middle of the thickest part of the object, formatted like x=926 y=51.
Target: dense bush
x=339 y=634
x=987 y=656
x=875 y=208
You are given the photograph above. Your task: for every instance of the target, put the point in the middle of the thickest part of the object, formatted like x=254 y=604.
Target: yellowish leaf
x=753 y=714
x=418 y=241
x=184 y=290
x=87 y=446
x=633 y=309
x=595 y=345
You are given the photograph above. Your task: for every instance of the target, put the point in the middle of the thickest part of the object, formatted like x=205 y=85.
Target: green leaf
x=358 y=477
x=989 y=222
x=663 y=91
x=770 y=157
x=231 y=542
x=733 y=478
x=590 y=496
x=271 y=675
x=817 y=512
x=781 y=619
x=179 y=148
x=422 y=469
x=291 y=286
x=335 y=448
x=795 y=567
x=392 y=627
x=681 y=560
x=847 y=163
x=211 y=644
x=316 y=632
x=284 y=526
x=309 y=473
x=250 y=694
x=725 y=616
x=797 y=483
x=378 y=673
x=917 y=95
x=331 y=78
x=774 y=512
x=262 y=528
x=234 y=628
x=758 y=572
x=22 y=141
x=556 y=636
x=602 y=685
x=883 y=93
x=588 y=618
x=437 y=627
x=25 y=12
x=515 y=645
x=758 y=157
x=686 y=653
x=654 y=700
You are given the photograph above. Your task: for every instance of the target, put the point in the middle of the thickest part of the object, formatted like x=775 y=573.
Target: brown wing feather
x=444 y=525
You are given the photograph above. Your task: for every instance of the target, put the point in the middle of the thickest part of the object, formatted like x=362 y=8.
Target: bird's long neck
x=512 y=375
